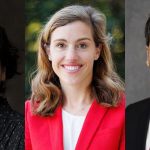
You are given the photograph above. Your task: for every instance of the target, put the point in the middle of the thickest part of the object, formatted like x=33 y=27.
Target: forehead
x=72 y=31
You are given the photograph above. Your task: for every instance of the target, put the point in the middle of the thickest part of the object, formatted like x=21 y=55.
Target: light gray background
x=137 y=74
x=13 y=20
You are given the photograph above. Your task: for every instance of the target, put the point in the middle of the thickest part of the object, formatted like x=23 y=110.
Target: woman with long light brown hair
x=77 y=99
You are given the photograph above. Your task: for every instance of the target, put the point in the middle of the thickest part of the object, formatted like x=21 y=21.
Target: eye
x=82 y=46
x=60 y=45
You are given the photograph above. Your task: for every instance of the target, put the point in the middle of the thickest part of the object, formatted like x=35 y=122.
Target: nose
x=71 y=53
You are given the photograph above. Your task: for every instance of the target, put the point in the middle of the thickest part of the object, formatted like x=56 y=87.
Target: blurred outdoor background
x=37 y=13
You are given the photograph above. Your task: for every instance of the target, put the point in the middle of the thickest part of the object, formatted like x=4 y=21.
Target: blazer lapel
x=56 y=130
x=143 y=128
x=93 y=120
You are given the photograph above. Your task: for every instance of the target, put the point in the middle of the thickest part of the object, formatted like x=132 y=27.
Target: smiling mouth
x=72 y=68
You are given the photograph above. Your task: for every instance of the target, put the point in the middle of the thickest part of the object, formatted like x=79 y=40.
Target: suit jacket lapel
x=92 y=122
x=56 y=130
x=143 y=128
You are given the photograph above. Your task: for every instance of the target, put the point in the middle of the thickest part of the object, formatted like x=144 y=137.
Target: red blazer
x=103 y=129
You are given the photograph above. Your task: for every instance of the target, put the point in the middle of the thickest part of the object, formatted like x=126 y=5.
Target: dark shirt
x=11 y=128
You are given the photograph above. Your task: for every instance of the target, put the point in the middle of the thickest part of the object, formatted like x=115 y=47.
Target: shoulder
x=31 y=118
x=138 y=110
x=139 y=106
x=117 y=111
x=30 y=115
x=115 y=114
x=27 y=105
x=122 y=100
x=28 y=110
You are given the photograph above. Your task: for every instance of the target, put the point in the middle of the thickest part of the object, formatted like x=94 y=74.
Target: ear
x=147 y=48
x=148 y=56
x=98 y=51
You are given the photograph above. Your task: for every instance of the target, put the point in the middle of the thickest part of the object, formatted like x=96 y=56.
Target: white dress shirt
x=148 y=139
x=72 y=126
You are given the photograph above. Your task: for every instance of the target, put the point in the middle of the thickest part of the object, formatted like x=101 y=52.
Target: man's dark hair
x=147 y=31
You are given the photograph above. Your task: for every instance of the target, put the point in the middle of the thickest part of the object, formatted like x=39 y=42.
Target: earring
x=147 y=63
x=96 y=57
x=148 y=59
x=49 y=57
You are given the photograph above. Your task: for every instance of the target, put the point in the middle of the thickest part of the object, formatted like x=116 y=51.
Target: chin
x=71 y=82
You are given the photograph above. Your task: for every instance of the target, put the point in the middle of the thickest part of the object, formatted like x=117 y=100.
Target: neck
x=77 y=100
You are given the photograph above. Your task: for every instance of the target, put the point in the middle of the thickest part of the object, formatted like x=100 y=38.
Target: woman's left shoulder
x=119 y=108
x=27 y=105
x=122 y=100
x=28 y=111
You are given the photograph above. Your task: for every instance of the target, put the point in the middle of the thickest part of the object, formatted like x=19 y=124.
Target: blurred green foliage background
x=37 y=13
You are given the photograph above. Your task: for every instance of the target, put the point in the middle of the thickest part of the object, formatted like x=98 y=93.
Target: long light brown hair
x=106 y=84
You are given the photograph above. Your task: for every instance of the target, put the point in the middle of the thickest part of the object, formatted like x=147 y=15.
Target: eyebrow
x=81 y=39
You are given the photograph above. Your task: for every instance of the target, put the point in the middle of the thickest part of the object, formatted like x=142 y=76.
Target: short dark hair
x=8 y=59
x=147 y=31
x=8 y=55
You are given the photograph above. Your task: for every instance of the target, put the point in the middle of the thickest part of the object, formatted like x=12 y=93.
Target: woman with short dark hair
x=11 y=122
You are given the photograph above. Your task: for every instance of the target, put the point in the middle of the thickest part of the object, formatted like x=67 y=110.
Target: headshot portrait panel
x=137 y=73
x=77 y=96
x=12 y=75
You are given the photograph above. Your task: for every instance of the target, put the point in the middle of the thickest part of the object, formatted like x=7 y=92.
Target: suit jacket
x=103 y=129
x=137 y=122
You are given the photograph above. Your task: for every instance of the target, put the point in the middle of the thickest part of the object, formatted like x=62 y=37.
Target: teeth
x=71 y=68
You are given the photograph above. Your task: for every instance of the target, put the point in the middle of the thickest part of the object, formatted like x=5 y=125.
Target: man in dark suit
x=138 y=114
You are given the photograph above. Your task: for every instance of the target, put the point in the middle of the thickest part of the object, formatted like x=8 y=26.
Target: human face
x=148 y=55
x=72 y=52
